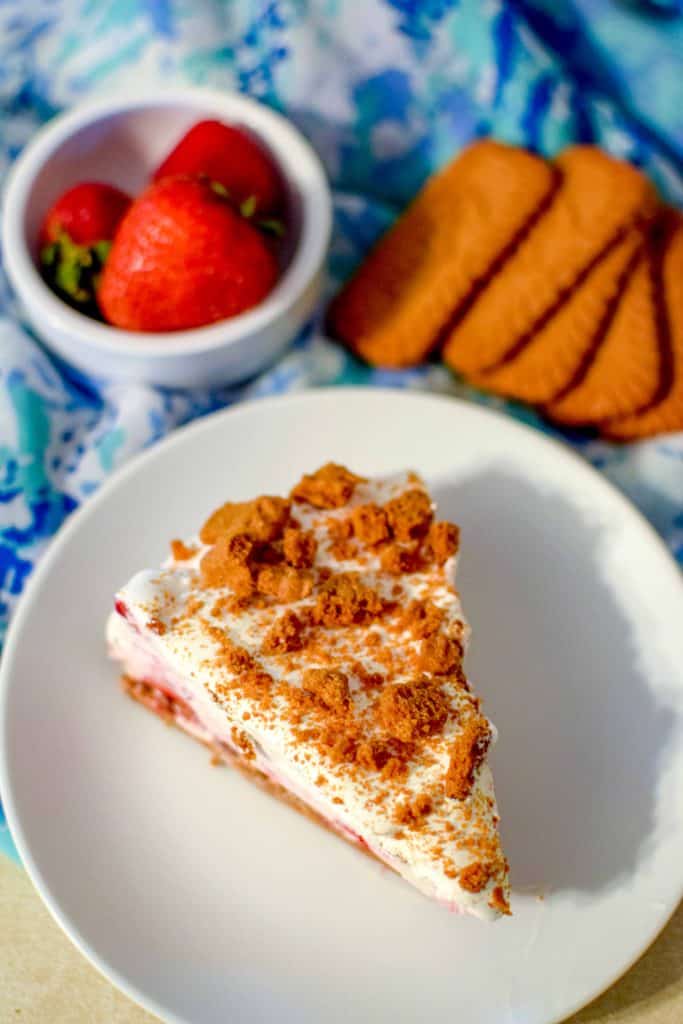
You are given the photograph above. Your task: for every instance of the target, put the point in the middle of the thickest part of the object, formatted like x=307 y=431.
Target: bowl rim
x=277 y=131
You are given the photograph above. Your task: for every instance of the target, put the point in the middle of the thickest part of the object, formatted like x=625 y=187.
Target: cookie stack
x=558 y=284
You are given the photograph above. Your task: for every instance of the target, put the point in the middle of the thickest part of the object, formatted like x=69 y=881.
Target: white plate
x=205 y=900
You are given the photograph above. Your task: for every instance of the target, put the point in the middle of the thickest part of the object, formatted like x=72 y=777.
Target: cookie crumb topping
x=331 y=486
x=344 y=600
x=409 y=515
x=334 y=616
x=370 y=524
x=182 y=552
x=299 y=547
x=329 y=686
x=262 y=519
x=467 y=753
x=475 y=876
x=411 y=813
x=408 y=711
x=443 y=540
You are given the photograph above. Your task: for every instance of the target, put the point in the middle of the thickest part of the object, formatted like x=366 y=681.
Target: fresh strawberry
x=75 y=239
x=232 y=158
x=87 y=213
x=183 y=257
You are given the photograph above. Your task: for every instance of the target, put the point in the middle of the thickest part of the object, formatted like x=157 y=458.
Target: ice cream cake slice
x=316 y=642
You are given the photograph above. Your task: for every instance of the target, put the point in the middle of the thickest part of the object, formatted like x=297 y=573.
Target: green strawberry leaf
x=102 y=250
x=248 y=207
x=272 y=226
x=219 y=189
x=73 y=271
x=48 y=254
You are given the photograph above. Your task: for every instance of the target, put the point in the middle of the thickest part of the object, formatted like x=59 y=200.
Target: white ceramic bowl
x=120 y=140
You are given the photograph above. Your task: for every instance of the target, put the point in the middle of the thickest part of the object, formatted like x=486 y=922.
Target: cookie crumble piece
x=256 y=684
x=397 y=560
x=181 y=552
x=285 y=583
x=370 y=524
x=499 y=902
x=344 y=600
x=262 y=520
x=339 y=528
x=439 y=655
x=368 y=680
x=329 y=686
x=443 y=540
x=226 y=565
x=408 y=711
x=299 y=547
x=340 y=536
x=339 y=747
x=285 y=635
x=467 y=753
x=475 y=877
x=378 y=756
x=395 y=770
x=243 y=743
x=411 y=813
x=365 y=756
x=422 y=618
x=331 y=486
x=409 y=515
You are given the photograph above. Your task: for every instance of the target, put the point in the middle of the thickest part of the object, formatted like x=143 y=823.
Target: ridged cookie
x=440 y=252
x=598 y=201
x=664 y=413
x=622 y=374
x=539 y=369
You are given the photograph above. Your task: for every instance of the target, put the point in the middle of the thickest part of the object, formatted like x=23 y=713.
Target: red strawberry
x=87 y=213
x=183 y=257
x=75 y=238
x=232 y=158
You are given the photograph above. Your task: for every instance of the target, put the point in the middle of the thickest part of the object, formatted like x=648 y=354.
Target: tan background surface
x=44 y=980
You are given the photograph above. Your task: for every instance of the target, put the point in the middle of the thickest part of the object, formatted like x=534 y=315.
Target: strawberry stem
x=72 y=271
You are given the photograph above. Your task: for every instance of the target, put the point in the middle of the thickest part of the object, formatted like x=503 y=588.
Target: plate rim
x=131 y=467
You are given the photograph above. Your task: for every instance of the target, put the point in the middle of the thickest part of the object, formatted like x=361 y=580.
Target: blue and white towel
x=386 y=91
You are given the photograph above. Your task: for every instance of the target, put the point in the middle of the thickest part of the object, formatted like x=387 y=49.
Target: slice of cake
x=316 y=642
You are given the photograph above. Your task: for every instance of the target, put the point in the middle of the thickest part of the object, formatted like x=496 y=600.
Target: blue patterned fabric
x=385 y=99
